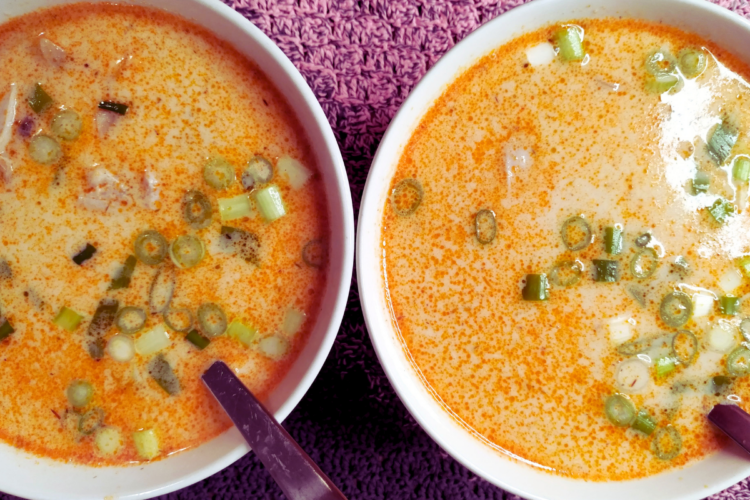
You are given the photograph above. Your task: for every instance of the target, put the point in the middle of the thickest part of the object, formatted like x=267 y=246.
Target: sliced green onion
x=662 y=83
x=84 y=254
x=161 y=371
x=644 y=423
x=607 y=271
x=274 y=347
x=260 y=171
x=569 y=43
x=198 y=340
x=5 y=329
x=234 y=208
x=67 y=125
x=151 y=247
x=744 y=264
x=722 y=141
x=613 y=240
x=684 y=347
x=121 y=348
x=664 y=366
x=741 y=169
x=212 y=320
x=406 y=197
x=152 y=341
x=242 y=243
x=675 y=309
x=315 y=254
x=146 y=444
x=644 y=263
x=91 y=421
x=162 y=289
x=196 y=209
x=67 y=319
x=187 y=251
x=79 y=393
x=536 y=287
x=721 y=383
x=115 y=107
x=566 y=273
x=293 y=321
x=270 y=203
x=130 y=320
x=45 y=149
x=666 y=443
x=660 y=62
x=123 y=276
x=104 y=317
x=729 y=305
x=721 y=210
x=619 y=410
x=576 y=233
x=39 y=100
x=643 y=240
x=485 y=226
x=179 y=320
x=692 y=62
x=297 y=173
x=701 y=182
x=218 y=173
x=108 y=440
x=738 y=362
x=242 y=332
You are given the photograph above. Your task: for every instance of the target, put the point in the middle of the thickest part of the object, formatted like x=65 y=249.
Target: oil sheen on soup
x=160 y=208
x=566 y=247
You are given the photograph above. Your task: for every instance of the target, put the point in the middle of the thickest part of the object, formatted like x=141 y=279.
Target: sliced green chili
x=606 y=271
x=684 y=347
x=218 y=173
x=212 y=320
x=729 y=305
x=692 y=62
x=722 y=141
x=738 y=362
x=39 y=100
x=660 y=84
x=701 y=182
x=569 y=43
x=485 y=226
x=84 y=254
x=258 y=171
x=124 y=275
x=115 y=107
x=536 y=287
x=196 y=209
x=576 y=233
x=660 y=62
x=179 y=320
x=634 y=347
x=619 y=410
x=198 y=340
x=721 y=210
x=130 y=319
x=666 y=443
x=187 y=251
x=613 y=240
x=676 y=309
x=644 y=423
x=406 y=197
x=566 y=273
x=151 y=247
x=644 y=263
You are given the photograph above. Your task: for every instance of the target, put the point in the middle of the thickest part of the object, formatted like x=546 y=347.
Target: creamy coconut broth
x=160 y=208
x=565 y=246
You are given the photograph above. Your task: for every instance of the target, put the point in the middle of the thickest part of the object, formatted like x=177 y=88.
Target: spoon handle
x=295 y=473
x=734 y=421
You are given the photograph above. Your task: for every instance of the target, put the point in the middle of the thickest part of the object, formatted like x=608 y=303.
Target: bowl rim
x=341 y=262
x=385 y=338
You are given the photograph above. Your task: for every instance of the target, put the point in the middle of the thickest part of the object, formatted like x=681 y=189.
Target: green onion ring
x=130 y=320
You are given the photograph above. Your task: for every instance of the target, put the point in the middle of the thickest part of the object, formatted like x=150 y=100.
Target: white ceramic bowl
x=32 y=477
x=693 y=482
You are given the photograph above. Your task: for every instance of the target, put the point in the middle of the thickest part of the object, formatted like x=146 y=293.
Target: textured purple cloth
x=362 y=58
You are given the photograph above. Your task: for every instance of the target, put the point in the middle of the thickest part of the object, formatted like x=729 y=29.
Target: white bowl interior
x=33 y=477
x=693 y=482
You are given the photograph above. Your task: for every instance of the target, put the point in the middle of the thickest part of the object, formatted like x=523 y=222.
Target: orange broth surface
x=190 y=96
x=537 y=141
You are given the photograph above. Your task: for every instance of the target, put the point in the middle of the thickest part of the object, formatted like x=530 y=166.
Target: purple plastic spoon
x=295 y=473
x=734 y=422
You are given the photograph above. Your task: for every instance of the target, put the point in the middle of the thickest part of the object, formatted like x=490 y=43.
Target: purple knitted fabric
x=362 y=58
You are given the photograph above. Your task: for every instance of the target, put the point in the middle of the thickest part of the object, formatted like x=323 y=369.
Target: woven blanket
x=362 y=58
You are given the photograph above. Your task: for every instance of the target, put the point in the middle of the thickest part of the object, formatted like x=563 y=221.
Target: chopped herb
x=84 y=254
x=115 y=107
x=606 y=271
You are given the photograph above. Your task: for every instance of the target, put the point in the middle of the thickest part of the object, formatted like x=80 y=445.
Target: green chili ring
x=669 y=452
x=641 y=267
x=619 y=410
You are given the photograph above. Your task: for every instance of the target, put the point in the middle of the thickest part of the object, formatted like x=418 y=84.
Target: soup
x=161 y=209
x=565 y=247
